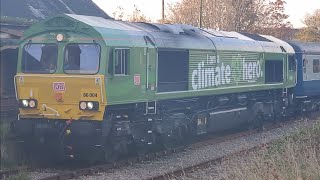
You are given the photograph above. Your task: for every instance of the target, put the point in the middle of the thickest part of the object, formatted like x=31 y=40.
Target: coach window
x=121 y=61
x=316 y=66
x=305 y=62
x=82 y=59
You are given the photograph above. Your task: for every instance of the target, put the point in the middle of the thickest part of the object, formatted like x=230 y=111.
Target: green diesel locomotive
x=94 y=87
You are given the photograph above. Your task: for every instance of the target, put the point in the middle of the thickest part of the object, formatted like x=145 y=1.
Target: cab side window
x=121 y=61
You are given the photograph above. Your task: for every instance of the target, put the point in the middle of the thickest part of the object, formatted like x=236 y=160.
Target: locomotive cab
x=69 y=69
x=60 y=81
x=60 y=86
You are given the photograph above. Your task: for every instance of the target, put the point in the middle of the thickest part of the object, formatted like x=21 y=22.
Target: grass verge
x=295 y=157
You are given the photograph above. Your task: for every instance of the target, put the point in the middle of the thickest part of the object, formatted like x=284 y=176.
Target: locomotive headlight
x=25 y=103
x=83 y=105
x=90 y=105
x=28 y=103
x=32 y=103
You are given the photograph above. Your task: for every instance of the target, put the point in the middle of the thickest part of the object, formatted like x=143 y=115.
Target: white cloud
x=297 y=9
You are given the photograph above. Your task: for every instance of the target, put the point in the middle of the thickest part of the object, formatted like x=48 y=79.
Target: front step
x=151 y=107
x=149 y=130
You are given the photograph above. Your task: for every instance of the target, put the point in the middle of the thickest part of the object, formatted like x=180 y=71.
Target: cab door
x=150 y=68
x=151 y=55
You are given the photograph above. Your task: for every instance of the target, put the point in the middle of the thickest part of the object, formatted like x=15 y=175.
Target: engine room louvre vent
x=256 y=37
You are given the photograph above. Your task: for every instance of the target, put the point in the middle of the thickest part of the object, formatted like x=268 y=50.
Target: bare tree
x=119 y=13
x=272 y=20
x=312 y=31
x=256 y=16
x=137 y=16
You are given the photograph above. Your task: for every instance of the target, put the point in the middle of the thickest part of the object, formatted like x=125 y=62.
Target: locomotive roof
x=306 y=47
x=177 y=36
x=286 y=46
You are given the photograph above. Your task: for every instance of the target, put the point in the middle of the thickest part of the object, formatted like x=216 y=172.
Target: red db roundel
x=59 y=86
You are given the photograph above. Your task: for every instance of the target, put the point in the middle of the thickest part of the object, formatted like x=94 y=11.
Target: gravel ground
x=217 y=172
x=43 y=173
x=233 y=166
x=144 y=170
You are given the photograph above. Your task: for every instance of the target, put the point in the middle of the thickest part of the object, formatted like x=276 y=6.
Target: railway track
x=108 y=167
x=75 y=173
x=70 y=174
x=205 y=164
x=177 y=172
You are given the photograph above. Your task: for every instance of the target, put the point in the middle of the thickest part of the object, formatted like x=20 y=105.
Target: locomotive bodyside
x=144 y=84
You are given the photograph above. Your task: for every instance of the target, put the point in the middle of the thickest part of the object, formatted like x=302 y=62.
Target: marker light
x=83 y=105
x=32 y=103
x=60 y=37
x=25 y=103
x=90 y=105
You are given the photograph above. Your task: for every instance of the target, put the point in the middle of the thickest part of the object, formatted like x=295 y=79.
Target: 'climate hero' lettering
x=211 y=76
x=216 y=74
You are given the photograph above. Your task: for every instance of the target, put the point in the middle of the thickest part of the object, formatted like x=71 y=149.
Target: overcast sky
x=296 y=9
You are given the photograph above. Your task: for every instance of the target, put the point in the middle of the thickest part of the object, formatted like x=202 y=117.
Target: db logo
x=59 y=86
